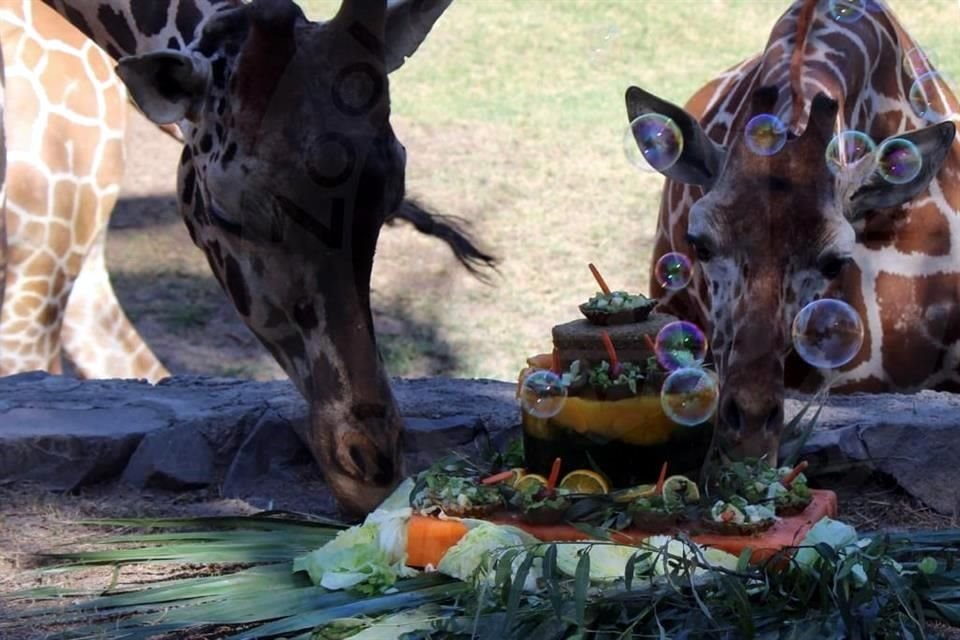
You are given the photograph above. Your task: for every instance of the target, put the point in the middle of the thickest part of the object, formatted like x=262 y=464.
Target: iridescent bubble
x=604 y=40
x=917 y=61
x=847 y=11
x=928 y=97
x=673 y=271
x=653 y=142
x=689 y=396
x=827 y=333
x=898 y=161
x=765 y=134
x=848 y=147
x=542 y=394
x=680 y=344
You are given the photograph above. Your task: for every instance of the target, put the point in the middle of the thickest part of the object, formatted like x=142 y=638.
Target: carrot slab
x=428 y=539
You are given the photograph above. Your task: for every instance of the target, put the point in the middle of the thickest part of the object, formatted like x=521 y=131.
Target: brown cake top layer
x=581 y=340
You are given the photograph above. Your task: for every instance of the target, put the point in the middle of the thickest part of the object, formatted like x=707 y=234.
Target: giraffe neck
x=134 y=27
x=856 y=63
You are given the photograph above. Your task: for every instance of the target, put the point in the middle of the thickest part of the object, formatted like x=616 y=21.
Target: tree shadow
x=144 y=212
x=193 y=328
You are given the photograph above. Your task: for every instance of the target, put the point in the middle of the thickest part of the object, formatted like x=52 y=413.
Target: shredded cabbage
x=608 y=562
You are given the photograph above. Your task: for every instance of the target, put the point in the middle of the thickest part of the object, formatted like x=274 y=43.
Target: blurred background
x=513 y=117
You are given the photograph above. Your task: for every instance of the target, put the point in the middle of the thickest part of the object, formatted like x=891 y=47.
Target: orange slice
x=584 y=481
x=530 y=481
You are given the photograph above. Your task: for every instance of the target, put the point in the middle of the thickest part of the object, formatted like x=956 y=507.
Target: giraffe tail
x=452 y=230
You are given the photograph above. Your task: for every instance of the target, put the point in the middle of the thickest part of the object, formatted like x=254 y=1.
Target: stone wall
x=192 y=432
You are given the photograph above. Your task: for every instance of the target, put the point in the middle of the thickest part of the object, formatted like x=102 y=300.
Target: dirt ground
x=33 y=520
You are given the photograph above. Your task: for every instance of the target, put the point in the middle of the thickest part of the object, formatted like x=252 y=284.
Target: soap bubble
x=653 y=142
x=827 y=333
x=765 y=134
x=673 y=271
x=917 y=61
x=898 y=161
x=680 y=344
x=928 y=97
x=689 y=396
x=847 y=147
x=542 y=394
x=604 y=41
x=847 y=11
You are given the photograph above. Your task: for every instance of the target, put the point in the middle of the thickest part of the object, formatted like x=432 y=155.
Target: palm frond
x=229 y=540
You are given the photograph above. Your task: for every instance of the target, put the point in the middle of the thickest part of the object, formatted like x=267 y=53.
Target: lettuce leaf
x=367 y=558
x=472 y=558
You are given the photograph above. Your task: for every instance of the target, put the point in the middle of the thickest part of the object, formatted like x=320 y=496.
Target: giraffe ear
x=168 y=86
x=875 y=192
x=408 y=23
x=701 y=158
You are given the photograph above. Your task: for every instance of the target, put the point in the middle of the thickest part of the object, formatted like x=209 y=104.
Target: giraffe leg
x=97 y=335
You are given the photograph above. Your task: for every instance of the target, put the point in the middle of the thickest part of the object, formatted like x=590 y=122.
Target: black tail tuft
x=453 y=231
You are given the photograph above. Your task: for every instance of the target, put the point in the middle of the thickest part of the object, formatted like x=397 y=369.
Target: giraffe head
x=770 y=234
x=289 y=169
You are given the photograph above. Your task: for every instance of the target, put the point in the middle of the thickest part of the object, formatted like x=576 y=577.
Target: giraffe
x=769 y=234
x=289 y=169
x=66 y=116
x=61 y=298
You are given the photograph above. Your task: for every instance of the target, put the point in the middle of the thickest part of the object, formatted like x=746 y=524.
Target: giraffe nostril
x=731 y=415
x=774 y=419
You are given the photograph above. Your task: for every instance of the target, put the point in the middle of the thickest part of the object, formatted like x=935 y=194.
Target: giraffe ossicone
x=770 y=233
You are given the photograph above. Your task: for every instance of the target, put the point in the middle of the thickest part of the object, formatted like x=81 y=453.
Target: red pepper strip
x=497 y=477
x=599 y=279
x=663 y=476
x=797 y=470
x=612 y=354
x=556 y=361
x=554 y=475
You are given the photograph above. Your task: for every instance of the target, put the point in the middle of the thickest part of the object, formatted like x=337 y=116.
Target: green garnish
x=617 y=301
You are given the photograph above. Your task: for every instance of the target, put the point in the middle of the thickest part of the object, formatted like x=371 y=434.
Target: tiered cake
x=614 y=424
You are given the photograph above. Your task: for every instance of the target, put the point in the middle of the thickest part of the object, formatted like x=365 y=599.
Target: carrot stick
x=663 y=476
x=599 y=279
x=650 y=342
x=428 y=539
x=497 y=477
x=554 y=475
x=611 y=353
x=796 y=471
x=555 y=367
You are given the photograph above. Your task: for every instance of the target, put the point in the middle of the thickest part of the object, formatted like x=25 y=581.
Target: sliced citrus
x=518 y=472
x=632 y=493
x=680 y=490
x=584 y=481
x=530 y=482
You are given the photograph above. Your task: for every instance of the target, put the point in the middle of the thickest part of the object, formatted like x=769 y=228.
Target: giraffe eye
x=700 y=247
x=832 y=266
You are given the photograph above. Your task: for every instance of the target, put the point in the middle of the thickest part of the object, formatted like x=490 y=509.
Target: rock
x=171 y=459
x=272 y=450
x=191 y=431
x=64 y=446
x=914 y=439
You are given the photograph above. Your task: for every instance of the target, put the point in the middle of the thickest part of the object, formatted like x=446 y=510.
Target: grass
x=512 y=114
